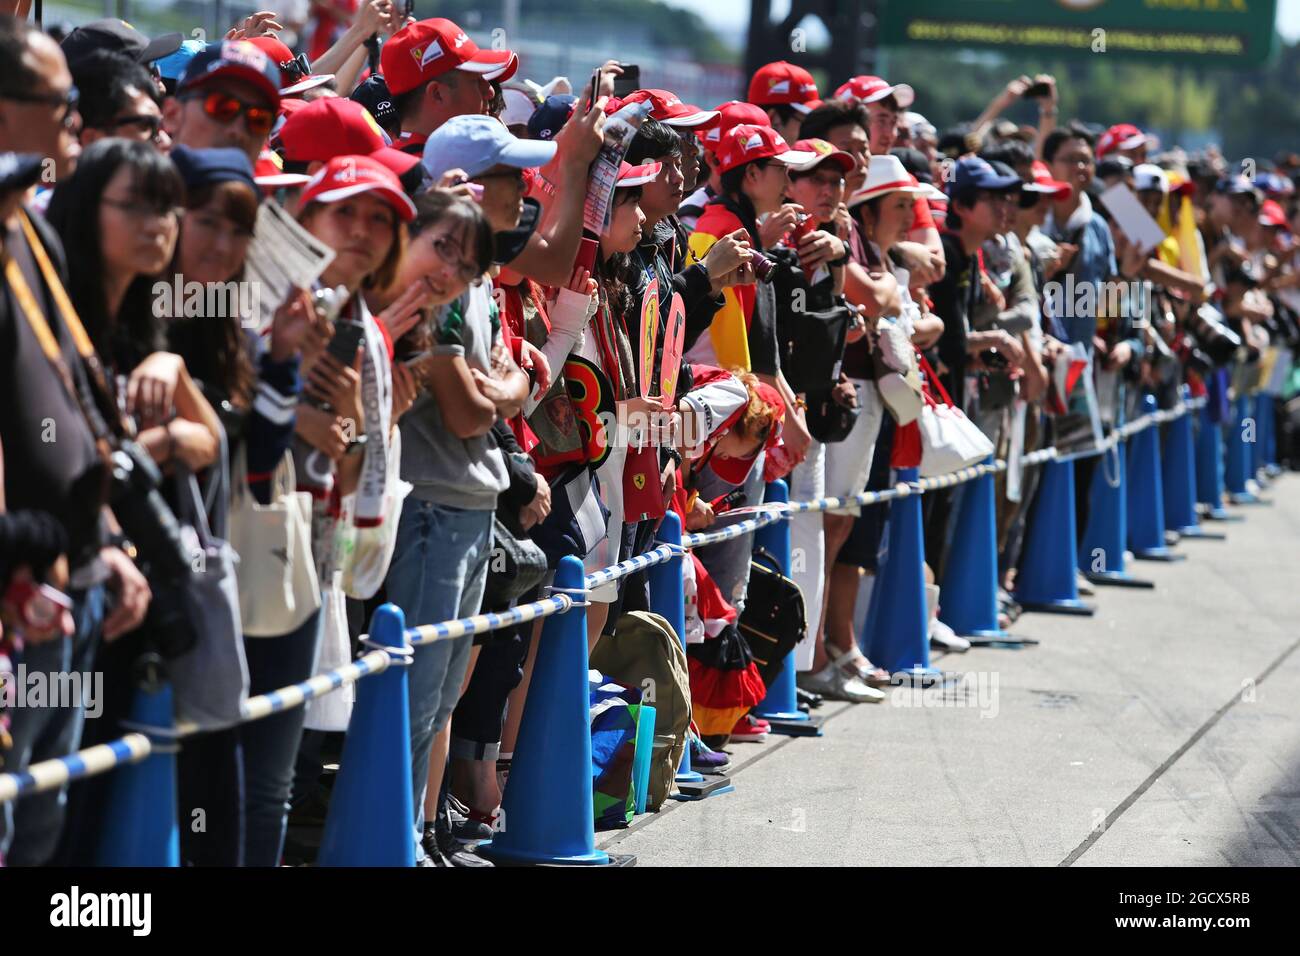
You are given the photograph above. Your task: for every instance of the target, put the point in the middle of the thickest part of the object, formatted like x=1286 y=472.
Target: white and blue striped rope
x=52 y=774
x=659 y=555
x=134 y=747
x=772 y=514
x=482 y=623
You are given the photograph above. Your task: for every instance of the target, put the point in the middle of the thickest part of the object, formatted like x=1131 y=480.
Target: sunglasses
x=225 y=109
x=66 y=100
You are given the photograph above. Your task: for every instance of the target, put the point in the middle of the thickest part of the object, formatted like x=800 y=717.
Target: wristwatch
x=357 y=446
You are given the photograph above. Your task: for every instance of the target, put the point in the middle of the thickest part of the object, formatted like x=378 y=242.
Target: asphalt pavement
x=1165 y=730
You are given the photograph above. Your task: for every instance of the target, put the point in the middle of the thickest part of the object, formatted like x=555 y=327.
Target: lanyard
x=41 y=329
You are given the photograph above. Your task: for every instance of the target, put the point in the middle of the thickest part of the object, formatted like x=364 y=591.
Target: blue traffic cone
x=896 y=635
x=1047 y=579
x=1257 y=453
x=1241 y=425
x=1146 y=498
x=781 y=705
x=668 y=600
x=1271 y=464
x=141 y=825
x=969 y=590
x=1209 y=468
x=548 y=814
x=1180 y=479
x=371 y=818
x=1101 y=553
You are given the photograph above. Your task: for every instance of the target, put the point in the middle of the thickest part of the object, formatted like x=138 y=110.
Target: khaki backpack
x=645 y=653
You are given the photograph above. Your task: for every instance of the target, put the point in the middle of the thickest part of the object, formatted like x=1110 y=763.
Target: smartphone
x=347 y=337
x=586 y=255
x=629 y=81
x=595 y=89
x=38 y=605
x=1038 y=91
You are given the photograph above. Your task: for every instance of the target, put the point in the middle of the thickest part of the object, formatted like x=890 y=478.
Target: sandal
x=855 y=664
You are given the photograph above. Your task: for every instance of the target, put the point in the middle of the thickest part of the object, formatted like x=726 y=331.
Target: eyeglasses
x=448 y=250
x=826 y=182
x=225 y=108
x=140 y=211
x=66 y=100
x=146 y=123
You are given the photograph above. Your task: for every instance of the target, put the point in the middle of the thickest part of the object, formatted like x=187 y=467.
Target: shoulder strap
x=35 y=317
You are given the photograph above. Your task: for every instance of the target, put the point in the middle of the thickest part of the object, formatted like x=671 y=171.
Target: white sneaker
x=945 y=638
x=832 y=682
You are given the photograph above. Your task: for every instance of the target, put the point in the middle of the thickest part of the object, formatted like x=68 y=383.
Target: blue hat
x=476 y=143
x=207 y=167
x=551 y=115
x=233 y=58
x=171 y=67
x=971 y=172
x=1238 y=185
x=19 y=170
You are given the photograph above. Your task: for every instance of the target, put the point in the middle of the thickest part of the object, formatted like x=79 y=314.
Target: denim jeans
x=271 y=744
x=439 y=567
x=30 y=826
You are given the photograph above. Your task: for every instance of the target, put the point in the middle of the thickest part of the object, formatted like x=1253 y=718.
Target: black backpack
x=773 y=621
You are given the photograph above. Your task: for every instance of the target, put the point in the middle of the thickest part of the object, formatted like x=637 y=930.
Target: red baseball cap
x=346 y=176
x=826 y=153
x=746 y=144
x=1044 y=183
x=292 y=80
x=730 y=115
x=629 y=175
x=1271 y=213
x=870 y=89
x=424 y=50
x=268 y=172
x=669 y=110
x=1122 y=136
x=735 y=470
x=783 y=84
x=334 y=126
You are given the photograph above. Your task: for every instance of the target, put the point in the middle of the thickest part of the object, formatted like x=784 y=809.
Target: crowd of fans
x=476 y=386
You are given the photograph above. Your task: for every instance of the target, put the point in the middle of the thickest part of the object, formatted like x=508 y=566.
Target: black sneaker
x=442 y=846
x=808 y=699
x=463 y=829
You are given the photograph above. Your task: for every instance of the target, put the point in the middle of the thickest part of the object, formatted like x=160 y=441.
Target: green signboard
x=1210 y=32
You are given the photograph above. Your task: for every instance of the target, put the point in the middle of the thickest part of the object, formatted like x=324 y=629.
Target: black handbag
x=828 y=421
x=812 y=326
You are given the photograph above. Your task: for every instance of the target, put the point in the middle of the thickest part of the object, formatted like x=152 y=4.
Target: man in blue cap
x=227 y=96
x=977 y=196
x=504 y=165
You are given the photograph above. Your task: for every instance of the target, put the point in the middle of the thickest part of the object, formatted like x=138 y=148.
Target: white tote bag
x=949 y=440
x=275 y=539
x=333 y=711
x=365 y=553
